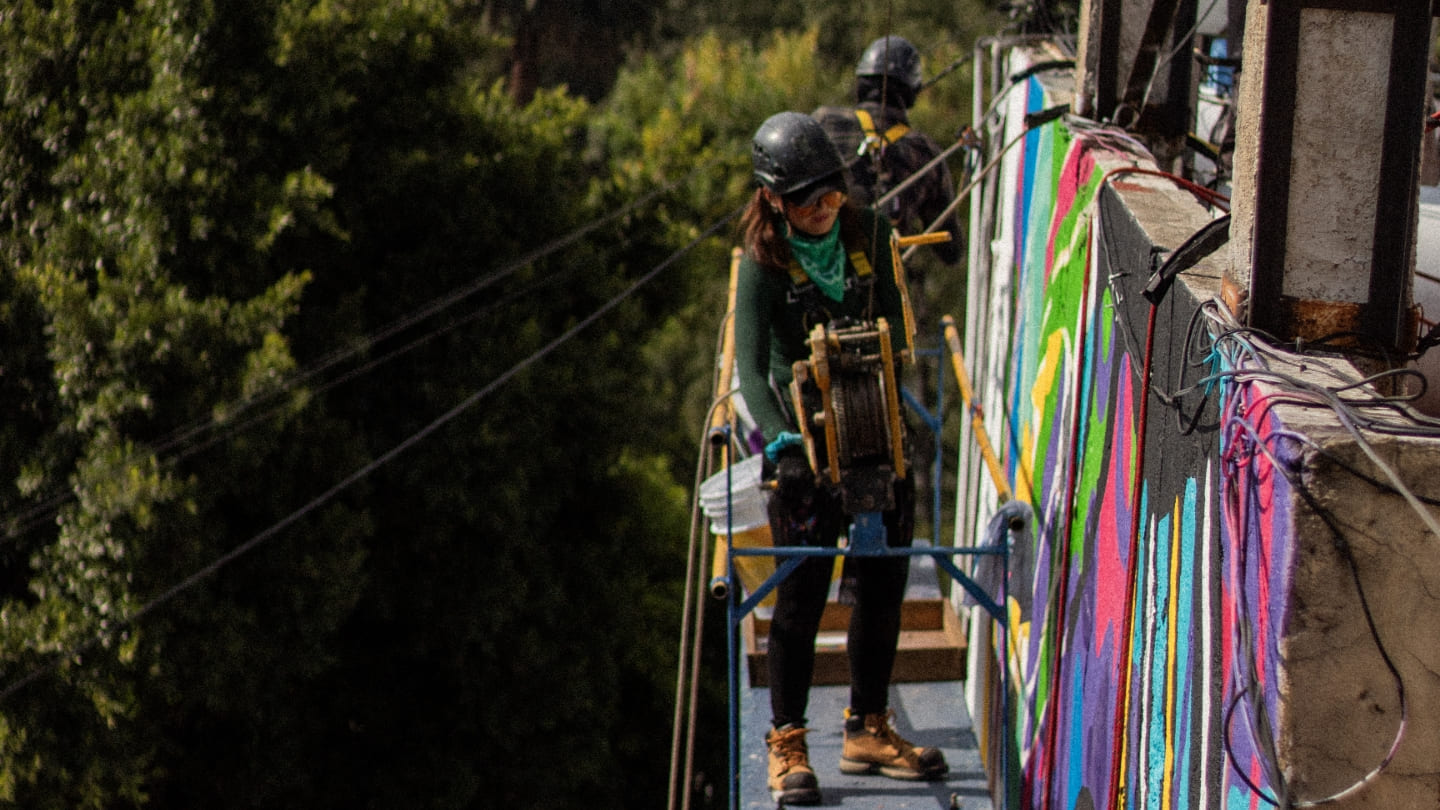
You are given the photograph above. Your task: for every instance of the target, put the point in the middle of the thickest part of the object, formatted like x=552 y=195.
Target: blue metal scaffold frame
x=866 y=538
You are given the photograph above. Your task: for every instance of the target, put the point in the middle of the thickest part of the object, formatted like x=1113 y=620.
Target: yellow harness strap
x=854 y=248
x=861 y=262
x=857 y=258
x=874 y=139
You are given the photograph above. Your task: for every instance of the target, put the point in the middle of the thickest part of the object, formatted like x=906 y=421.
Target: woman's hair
x=763 y=230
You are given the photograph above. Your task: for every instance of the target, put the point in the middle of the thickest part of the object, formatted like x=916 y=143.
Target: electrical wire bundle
x=1242 y=358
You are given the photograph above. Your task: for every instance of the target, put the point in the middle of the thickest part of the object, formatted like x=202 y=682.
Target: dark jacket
x=771 y=324
x=874 y=172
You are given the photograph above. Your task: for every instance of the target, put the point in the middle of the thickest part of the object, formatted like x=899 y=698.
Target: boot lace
x=789 y=747
x=884 y=730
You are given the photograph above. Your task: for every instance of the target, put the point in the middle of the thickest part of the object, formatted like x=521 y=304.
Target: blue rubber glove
x=782 y=441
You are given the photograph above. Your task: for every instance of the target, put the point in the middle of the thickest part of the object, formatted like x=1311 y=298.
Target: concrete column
x=1134 y=67
x=1331 y=113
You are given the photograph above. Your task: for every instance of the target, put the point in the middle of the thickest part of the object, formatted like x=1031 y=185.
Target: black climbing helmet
x=892 y=57
x=794 y=158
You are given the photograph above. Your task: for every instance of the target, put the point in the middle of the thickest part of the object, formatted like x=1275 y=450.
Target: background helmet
x=793 y=156
x=892 y=57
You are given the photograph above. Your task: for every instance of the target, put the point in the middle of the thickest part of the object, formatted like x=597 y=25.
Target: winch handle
x=932 y=238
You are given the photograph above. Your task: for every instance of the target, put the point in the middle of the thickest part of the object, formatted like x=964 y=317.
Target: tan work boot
x=872 y=746
x=791 y=779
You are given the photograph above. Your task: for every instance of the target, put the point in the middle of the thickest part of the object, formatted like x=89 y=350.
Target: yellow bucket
x=752 y=571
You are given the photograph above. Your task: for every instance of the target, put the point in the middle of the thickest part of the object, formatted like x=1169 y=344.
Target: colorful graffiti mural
x=1145 y=673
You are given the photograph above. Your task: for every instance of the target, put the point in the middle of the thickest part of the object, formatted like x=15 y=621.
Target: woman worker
x=799 y=219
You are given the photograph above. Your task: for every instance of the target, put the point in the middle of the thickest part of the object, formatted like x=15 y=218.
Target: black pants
x=800 y=600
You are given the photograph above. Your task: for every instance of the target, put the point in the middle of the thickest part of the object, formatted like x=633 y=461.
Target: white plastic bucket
x=733 y=498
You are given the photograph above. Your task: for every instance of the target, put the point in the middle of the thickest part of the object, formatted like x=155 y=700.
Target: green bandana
x=822 y=259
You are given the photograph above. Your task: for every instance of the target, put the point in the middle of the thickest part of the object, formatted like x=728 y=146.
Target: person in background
x=881 y=150
x=810 y=257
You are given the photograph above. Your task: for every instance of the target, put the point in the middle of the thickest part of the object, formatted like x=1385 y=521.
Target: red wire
x=1130 y=584
x=1209 y=196
x=1220 y=201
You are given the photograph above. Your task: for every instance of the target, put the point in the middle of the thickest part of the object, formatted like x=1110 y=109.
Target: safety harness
x=804 y=289
x=872 y=147
x=875 y=141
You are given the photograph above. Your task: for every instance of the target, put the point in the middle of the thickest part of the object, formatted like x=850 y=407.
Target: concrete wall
x=1196 y=634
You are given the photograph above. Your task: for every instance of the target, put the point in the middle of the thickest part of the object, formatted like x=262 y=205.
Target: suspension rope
x=687 y=665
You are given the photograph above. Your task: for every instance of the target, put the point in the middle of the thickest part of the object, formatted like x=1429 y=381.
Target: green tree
x=177 y=175
x=105 y=149
x=308 y=502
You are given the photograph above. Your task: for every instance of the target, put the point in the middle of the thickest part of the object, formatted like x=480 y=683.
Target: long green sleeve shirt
x=770 y=329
